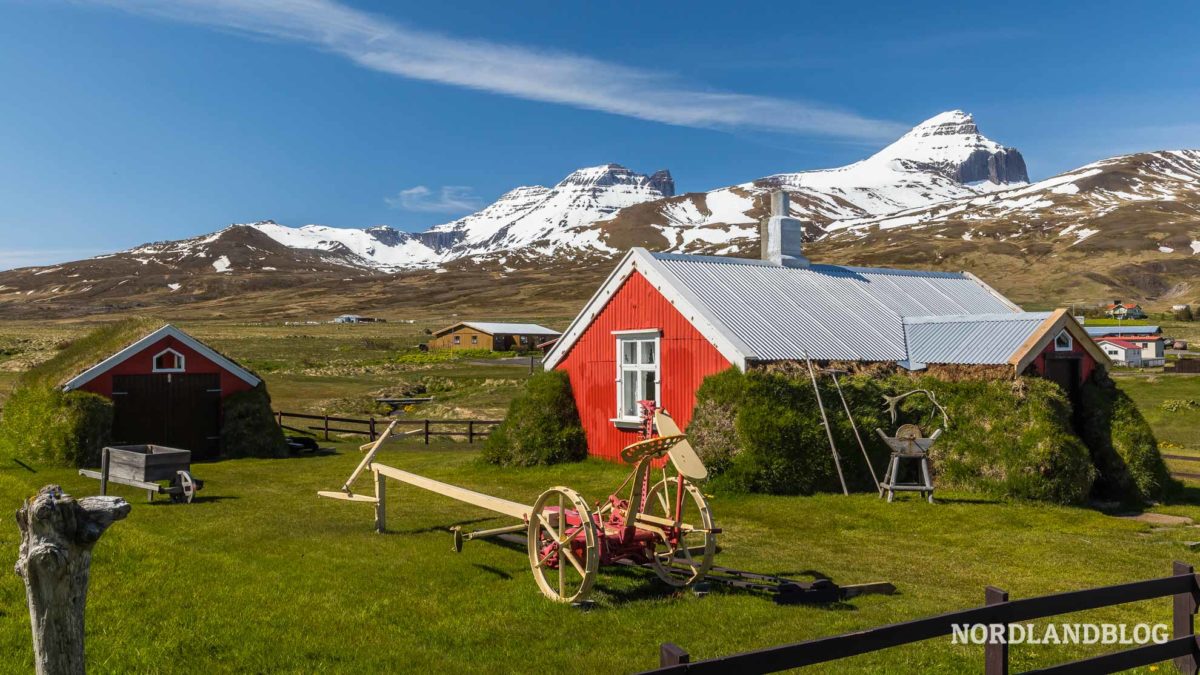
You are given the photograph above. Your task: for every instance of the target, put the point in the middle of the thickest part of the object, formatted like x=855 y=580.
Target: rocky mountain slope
x=943 y=196
x=1128 y=226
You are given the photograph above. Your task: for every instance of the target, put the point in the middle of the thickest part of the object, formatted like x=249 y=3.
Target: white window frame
x=1070 y=341
x=639 y=335
x=179 y=360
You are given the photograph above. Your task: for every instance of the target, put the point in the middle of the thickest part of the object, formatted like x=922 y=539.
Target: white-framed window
x=1063 y=342
x=168 y=361
x=639 y=373
x=474 y=339
x=457 y=339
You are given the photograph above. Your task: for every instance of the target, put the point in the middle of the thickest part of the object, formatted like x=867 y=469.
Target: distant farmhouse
x=498 y=337
x=1148 y=340
x=355 y=318
x=1121 y=352
x=1124 y=310
x=663 y=322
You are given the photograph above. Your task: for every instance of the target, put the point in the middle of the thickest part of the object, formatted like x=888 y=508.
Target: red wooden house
x=662 y=322
x=167 y=388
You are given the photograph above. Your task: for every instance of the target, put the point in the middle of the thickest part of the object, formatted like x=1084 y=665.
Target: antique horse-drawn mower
x=662 y=522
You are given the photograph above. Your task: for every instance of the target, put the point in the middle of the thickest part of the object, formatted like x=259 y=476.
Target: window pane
x=648 y=352
x=628 y=351
x=648 y=386
x=629 y=407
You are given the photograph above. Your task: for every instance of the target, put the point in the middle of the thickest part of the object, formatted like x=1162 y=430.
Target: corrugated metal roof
x=827 y=311
x=1101 y=331
x=985 y=339
x=515 y=328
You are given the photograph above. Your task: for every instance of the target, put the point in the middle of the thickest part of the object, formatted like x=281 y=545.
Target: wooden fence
x=1183 y=458
x=372 y=427
x=1183 y=647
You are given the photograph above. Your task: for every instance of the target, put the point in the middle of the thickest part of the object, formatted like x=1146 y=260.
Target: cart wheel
x=187 y=488
x=563 y=547
x=683 y=558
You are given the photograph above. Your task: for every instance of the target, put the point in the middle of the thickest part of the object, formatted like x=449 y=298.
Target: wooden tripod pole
x=854 y=426
x=837 y=462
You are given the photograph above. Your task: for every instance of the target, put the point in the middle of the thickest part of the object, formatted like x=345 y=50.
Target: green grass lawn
x=260 y=575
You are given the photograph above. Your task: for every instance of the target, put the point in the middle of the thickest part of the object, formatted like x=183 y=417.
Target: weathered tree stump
x=57 y=536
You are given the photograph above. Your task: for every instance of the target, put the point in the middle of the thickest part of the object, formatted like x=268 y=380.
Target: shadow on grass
x=198 y=499
x=439 y=528
x=965 y=500
x=496 y=571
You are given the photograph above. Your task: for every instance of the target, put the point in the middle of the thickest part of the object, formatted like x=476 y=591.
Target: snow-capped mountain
x=1127 y=226
x=943 y=158
x=941 y=195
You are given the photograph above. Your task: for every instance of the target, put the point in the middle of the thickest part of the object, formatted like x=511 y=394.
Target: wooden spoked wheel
x=563 y=548
x=186 y=488
x=686 y=557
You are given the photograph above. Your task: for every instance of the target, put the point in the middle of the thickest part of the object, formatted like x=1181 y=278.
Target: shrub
x=542 y=426
x=1123 y=446
x=762 y=432
x=1184 y=314
x=248 y=429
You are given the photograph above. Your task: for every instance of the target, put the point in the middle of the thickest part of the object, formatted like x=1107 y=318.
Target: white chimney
x=782 y=236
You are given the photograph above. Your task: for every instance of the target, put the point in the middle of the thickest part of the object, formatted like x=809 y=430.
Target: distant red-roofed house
x=1122 y=352
x=1124 y=310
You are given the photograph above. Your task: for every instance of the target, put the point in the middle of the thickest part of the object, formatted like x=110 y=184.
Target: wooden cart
x=143 y=466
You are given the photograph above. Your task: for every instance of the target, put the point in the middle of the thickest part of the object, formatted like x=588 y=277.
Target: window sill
x=621 y=423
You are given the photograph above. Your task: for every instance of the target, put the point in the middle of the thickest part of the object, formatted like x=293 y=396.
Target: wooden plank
x=671 y=654
x=504 y=506
x=155 y=487
x=1118 y=661
x=346 y=497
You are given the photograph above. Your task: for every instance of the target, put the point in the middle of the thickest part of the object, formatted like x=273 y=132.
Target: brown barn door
x=178 y=410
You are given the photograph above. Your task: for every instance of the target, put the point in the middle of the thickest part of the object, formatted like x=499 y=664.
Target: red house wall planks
x=141 y=363
x=687 y=358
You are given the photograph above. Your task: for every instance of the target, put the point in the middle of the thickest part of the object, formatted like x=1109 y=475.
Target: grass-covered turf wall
x=44 y=425
x=542 y=426
x=761 y=432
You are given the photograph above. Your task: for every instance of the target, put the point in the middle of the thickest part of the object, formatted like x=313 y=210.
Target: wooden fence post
x=372 y=428
x=279 y=419
x=671 y=654
x=104 y=464
x=380 y=502
x=427 y=432
x=470 y=432
x=1184 y=618
x=995 y=654
x=57 y=536
x=327 y=427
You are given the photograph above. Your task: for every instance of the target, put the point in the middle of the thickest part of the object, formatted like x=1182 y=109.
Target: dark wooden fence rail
x=372 y=427
x=1184 y=458
x=1182 y=647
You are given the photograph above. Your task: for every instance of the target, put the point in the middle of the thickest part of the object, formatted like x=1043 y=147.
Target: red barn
x=662 y=322
x=167 y=388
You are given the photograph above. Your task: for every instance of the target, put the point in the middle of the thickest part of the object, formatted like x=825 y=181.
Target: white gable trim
x=685 y=302
x=137 y=347
x=179 y=358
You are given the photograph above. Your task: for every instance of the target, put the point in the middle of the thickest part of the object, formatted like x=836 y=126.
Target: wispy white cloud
x=10 y=259
x=381 y=44
x=448 y=199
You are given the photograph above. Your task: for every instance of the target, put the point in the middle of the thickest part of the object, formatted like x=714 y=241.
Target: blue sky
x=126 y=121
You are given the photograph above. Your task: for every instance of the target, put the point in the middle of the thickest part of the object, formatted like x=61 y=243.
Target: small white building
x=1122 y=352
